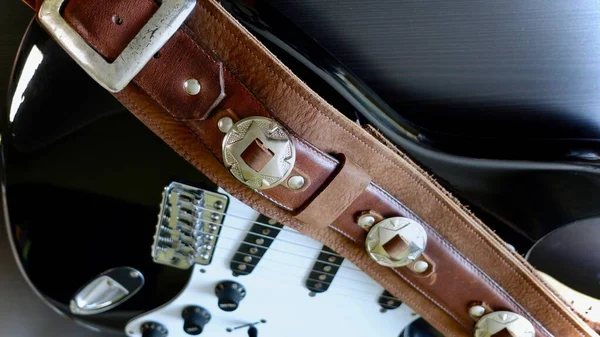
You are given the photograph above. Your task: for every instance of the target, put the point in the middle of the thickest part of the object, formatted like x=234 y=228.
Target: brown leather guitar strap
x=230 y=108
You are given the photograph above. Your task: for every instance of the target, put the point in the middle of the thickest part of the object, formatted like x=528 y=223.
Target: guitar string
x=338 y=286
x=374 y=286
x=279 y=240
x=285 y=252
x=373 y=283
x=302 y=277
x=301 y=256
x=334 y=276
x=334 y=290
x=285 y=229
x=272 y=238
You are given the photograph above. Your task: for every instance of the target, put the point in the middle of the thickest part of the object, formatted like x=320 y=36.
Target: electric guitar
x=117 y=232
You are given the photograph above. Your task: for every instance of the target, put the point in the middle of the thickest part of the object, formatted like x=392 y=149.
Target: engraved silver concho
x=273 y=137
x=494 y=322
x=411 y=233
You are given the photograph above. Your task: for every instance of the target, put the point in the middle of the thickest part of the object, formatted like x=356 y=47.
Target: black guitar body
x=512 y=133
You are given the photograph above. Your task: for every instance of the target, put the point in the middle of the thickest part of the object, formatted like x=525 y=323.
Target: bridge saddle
x=188 y=227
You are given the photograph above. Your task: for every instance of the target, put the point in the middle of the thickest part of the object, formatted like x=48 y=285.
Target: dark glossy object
x=508 y=79
x=194 y=319
x=252 y=331
x=523 y=184
x=83 y=164
x=230 y=294
x=420 y=328
x=83 y=181
x=572 y=255
x=153 y=329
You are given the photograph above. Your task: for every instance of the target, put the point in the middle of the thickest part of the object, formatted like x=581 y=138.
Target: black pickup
x=261 y=235
x=388 y=301
x=324 y=270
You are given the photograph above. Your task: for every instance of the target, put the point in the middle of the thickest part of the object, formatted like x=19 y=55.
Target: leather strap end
x=336 y=197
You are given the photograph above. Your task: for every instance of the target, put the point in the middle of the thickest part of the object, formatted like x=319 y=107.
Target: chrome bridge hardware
x=115 y=76
x=259 y=152
x=189 y=224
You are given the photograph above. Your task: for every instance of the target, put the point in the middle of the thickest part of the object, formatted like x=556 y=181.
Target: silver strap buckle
x=117 y=75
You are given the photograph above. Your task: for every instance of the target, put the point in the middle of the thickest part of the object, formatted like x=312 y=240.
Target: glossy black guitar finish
x=74 y=159
x=535 y=173
x=83 y=182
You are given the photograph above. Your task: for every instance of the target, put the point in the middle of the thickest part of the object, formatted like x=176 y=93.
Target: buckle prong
x=116 y=75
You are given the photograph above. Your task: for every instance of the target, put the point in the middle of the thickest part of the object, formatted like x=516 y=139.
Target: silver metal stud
x=295 y=182
x=420 y=266
x=476 y=311
x=192 y=86
x=224 y=124
x=366 y=221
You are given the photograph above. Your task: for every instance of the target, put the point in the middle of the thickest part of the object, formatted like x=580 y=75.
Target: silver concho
x=408 y=237
x=273 y=137
x=497 y=321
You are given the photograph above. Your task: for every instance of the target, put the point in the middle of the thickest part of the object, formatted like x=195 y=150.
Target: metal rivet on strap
x=295 y=182
x=225 y=124
x=494 y=322
x=420 y=266
x=396 y=242
x=476 y=311
x=192 y=86
x=366 y=221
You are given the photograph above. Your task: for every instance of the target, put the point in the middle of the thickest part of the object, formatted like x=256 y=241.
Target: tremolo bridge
x=189 y=223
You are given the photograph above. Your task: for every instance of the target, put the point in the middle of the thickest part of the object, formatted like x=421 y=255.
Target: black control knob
x=252 y=331
x=194 y=319
x=230 y=294
x=153 y=329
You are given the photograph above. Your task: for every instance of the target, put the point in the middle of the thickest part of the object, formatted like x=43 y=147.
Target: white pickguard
x=276 y=292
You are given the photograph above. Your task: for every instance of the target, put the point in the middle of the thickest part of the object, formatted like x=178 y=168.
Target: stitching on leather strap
x=325 y=113
x=193 y=160
x=468 y=263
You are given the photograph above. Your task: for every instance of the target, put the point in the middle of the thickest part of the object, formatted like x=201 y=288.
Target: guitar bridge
x=189 y=224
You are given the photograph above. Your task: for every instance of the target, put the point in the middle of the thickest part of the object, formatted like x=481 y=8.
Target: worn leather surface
x=347 y=185
x=471 y=262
